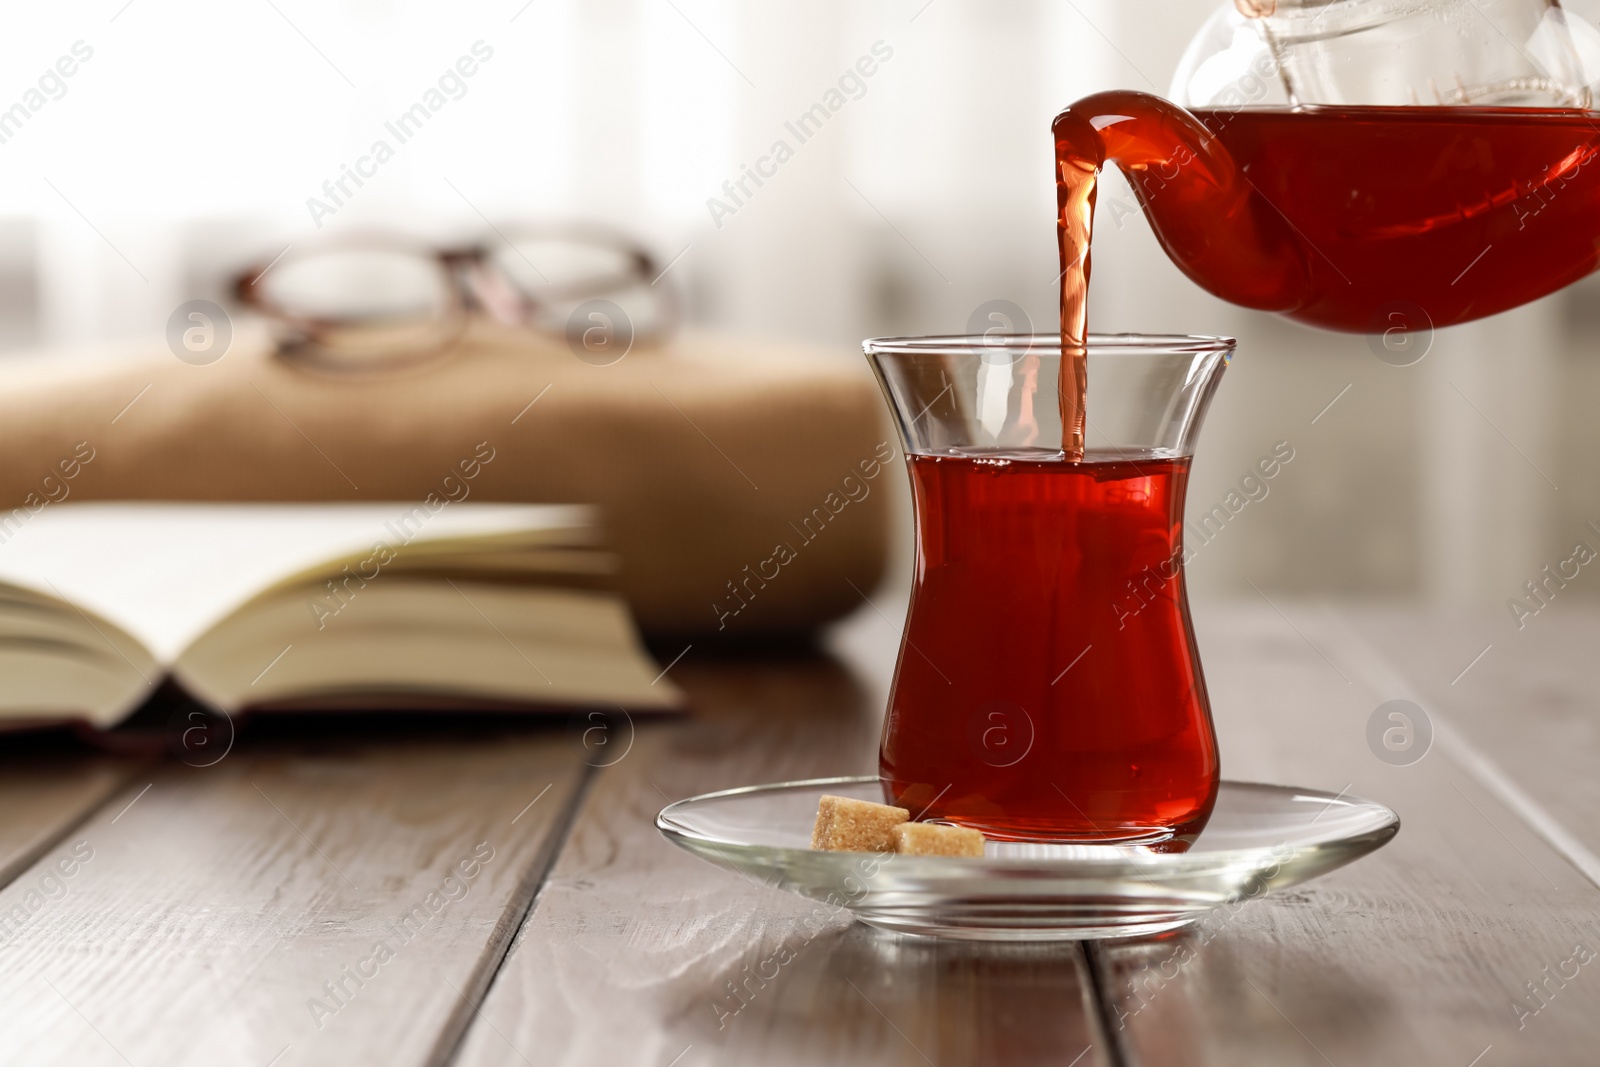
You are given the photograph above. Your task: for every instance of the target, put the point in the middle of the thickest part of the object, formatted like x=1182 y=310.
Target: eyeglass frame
x=468 y=270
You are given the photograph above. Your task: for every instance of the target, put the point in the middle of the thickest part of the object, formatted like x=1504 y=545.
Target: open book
x=338 y=606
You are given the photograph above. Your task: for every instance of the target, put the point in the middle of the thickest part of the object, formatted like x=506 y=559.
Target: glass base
x=1175 y=839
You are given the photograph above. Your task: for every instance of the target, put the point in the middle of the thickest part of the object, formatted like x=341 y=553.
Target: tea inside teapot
x=1330 y=214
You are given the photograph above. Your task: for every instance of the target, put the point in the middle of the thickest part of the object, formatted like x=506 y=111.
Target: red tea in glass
x=1048 y=686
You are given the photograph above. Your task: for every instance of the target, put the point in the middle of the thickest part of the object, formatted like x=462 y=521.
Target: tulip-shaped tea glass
x=1048 y=687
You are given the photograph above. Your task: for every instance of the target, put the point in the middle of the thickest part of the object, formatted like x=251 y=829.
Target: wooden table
x=395 y=895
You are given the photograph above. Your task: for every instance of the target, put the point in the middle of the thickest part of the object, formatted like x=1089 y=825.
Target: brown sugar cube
x=846 y=825
x=936 y=839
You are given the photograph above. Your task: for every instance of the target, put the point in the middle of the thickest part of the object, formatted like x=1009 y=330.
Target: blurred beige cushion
x=743 y=484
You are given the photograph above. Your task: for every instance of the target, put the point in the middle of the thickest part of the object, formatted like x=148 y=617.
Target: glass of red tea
x=1048 y=686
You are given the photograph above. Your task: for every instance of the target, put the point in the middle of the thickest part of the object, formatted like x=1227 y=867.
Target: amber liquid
x=1350 y=218
x=1049 y=664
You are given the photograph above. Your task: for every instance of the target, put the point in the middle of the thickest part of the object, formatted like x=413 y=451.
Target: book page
x=167 y=572
x=430 y=641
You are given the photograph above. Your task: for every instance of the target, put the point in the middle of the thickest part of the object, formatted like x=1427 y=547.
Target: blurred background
x=193 y=139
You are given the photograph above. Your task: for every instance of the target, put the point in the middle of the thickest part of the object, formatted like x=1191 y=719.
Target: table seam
x=524 y=902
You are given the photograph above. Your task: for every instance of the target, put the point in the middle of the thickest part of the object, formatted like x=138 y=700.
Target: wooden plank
x=633 y=950
x=45 y=792
x=1523 y=705
x=1418 y=955
x=333 y=905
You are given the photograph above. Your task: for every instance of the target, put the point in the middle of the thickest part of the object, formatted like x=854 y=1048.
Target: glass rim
x=1099 y=344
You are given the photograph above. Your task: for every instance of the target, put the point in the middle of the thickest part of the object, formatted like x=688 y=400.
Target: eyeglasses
x=377 y=302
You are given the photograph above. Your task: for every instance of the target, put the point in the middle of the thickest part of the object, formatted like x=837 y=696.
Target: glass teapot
x=1401 y=53
x=1343 y=162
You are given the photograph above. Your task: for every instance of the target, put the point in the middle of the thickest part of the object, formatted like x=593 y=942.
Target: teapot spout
x=1198 y=201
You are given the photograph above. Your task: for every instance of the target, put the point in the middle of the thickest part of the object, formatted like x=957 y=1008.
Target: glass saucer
x=1260 y=837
